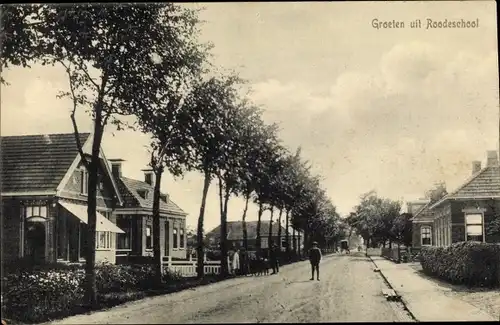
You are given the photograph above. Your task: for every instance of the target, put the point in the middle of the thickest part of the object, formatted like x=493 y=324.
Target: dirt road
x=349 y=290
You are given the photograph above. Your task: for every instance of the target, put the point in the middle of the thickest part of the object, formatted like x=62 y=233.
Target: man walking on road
x=315 y=258
x=273 y=258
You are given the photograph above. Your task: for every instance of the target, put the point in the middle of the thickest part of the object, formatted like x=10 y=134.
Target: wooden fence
x=187 y=268
x=398 y=254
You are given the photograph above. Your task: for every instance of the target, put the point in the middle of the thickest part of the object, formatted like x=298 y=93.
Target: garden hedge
x=39 y=295
x=469 y=263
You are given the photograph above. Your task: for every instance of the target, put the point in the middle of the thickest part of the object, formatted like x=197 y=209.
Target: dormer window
x=148 y=177
x=163 y=197
x=143 y=193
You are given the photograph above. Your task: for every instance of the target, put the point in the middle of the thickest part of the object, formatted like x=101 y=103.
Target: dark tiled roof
x=484 y=184
x=235 y=230
x=37 y=162
x=129 y=189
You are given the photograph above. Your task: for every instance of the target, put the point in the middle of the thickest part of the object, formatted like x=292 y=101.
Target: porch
x=57 y=232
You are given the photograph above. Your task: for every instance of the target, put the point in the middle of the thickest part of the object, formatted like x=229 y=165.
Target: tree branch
x=73 y=118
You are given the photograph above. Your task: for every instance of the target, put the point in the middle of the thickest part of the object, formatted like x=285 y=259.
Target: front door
x=35 y=241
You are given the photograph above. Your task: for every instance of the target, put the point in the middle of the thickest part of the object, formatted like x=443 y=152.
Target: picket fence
x=187 y=268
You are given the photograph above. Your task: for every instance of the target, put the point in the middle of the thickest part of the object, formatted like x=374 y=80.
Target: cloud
x=421 y=115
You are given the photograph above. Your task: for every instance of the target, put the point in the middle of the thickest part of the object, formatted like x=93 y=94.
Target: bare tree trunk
x=244 y=222
x=294 y=240
x=287 y=234
x=156 y=225
x=306 y=240
x=199 y=232
x=270 y=235
x=279 y=229
x=259 y=216
x=223 y=235
x=93 y=168
x=298 y=244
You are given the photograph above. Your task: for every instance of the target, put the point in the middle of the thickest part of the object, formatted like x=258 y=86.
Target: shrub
x=469 y=263
x=41 y=295
x=37 y=296
x=115 y=278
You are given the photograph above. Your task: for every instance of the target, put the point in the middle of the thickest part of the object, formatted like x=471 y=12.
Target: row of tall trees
x=146 y=62
x=380 y=221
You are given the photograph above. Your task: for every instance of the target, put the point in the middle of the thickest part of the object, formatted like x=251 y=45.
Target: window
x=143 y=193
x=148 y=178
x=84 y=175
x=104 y=240
x=149 y=242
x=36 y=211
x=474 y=227
x=426 y=236
x=124 y=241
x=181 y=238
x=176 y=239
x=163 y=197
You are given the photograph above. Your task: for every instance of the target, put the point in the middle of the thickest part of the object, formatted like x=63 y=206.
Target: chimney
x=116 y=167
x=476 y=167
x=149 y=176
x=492 y=159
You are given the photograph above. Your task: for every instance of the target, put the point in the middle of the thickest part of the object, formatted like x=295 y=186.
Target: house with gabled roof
x=235 y=235
x=465 y=213
x=44 y=188
x=135 y=217
x=422 y=222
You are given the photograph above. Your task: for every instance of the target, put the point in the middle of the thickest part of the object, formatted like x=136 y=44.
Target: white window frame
x=175 y=236
x=479 y=213
x=84 y=186
x=422 y=237
x=150 y=227
x=108 y=240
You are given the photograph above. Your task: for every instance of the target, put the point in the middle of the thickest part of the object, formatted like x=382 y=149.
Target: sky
x=393 y=110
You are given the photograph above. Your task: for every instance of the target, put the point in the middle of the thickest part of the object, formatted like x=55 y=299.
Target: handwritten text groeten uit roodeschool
x=427 y=23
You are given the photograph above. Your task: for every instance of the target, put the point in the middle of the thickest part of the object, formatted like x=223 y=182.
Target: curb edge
x=402 y=299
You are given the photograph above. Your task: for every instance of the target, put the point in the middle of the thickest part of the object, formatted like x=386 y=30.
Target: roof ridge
x=421 y=209
x=44 y=134
x=164 y=206
x=461 y=187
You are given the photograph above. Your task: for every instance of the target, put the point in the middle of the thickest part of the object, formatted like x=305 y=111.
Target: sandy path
x=349 y=290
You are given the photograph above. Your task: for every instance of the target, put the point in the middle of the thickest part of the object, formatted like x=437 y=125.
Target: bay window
x=104 y=240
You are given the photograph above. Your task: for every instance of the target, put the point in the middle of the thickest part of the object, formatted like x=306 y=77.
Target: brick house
x=422 y=223
x=44 y=200
x=135 y=218
x=235 y=235
x=465 y=213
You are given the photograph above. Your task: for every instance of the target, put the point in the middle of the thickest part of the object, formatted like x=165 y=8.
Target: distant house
x=235 y=235
x=44 y=200
x=465 y=213
x=422 y=223
x=135 y=217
